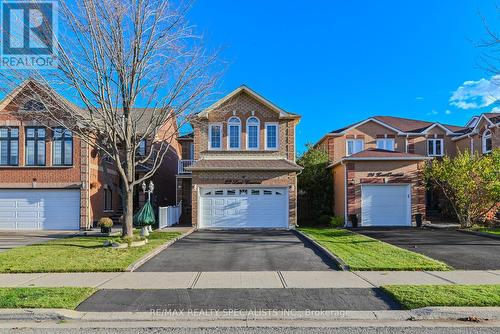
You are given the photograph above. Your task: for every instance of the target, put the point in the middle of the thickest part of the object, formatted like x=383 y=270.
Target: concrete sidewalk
x=248 y=279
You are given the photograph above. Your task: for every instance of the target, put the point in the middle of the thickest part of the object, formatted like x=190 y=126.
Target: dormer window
x=385 y=144
x=486 y=140
x=253 y=126
x=233 y=133
x=354 y=146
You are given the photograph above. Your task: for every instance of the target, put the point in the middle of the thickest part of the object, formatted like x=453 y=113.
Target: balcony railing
x=181 y=166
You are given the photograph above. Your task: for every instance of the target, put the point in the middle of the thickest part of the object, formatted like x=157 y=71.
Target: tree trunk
x=128 y=213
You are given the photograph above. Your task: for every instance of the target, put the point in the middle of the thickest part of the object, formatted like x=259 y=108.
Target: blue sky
x=337 y=62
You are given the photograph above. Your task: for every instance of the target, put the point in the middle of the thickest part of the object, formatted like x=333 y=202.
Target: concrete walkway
x=248 y=280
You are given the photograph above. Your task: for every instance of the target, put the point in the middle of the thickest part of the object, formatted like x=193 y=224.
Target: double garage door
x=385 y=205
x=39 y=209
x=243 y=208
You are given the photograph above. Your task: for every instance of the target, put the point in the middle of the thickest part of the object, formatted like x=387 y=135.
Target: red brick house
x=377 y=164
x=53 y=180
x=238 y=166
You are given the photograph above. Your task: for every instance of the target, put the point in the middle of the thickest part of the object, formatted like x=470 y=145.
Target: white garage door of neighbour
x=39 y=209
x=385 y=205
x=244 y=208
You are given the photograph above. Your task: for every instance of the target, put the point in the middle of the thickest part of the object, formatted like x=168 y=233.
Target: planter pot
x=105 y=229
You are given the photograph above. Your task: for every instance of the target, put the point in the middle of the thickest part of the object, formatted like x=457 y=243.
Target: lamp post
x=149 y=190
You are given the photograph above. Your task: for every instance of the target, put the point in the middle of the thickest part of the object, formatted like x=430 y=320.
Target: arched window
x=233 y=133
x=253 y=127
x=33 y=105
x=487 y=145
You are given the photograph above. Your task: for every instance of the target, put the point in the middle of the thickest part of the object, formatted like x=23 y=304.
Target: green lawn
x=363 y=253
x=77 y=254
x=490 y=230
x=68 y=298
x=415 y=296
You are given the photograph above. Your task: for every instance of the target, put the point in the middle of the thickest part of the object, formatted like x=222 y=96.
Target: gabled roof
x=255 y=95
x=493 y=119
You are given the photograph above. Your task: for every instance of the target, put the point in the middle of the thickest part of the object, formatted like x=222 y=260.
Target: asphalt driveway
x=11 y=239
x=258 y=250
x=459 y=250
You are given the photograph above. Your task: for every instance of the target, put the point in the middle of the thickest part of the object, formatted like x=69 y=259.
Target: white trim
x=448 y=132
x=385 y=139
x=474 y=129
x=258 y=133
x=434 y=147
x=229 y=148
x=353 y=145
x=277 y=136
x=210 y=136
x=483 y=141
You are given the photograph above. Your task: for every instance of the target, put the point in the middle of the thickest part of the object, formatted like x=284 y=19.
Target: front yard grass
x=77 y=254
x=415 y=296
x=68 y=298
x=363 y=253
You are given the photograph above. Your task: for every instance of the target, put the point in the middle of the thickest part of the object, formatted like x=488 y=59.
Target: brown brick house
x=50 y=179
x=377 y=164
x=238 y=168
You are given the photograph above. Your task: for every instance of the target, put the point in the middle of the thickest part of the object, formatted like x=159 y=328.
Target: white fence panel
x=169 y=215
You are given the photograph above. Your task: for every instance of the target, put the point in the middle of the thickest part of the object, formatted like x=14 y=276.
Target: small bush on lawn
x=336 y=222
x=330 y=221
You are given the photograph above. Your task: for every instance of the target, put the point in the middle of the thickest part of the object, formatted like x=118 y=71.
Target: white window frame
x=353 y=140
x=435 y=140
x=268 y=124
x=210 y=147
x=384 y=143
x=486 y=135
x=229 y=133
x=191 y=151
x=248 y=133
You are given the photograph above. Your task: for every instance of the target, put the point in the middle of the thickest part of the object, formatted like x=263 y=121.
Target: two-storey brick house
x=377 y=164
x=239 y=169
x=51 y=179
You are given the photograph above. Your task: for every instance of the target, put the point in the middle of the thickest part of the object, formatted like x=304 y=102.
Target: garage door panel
x=385 y=205
x=31 y=209
x=244 y=208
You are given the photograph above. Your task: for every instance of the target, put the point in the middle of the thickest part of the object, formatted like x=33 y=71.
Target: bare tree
x=131 y=66
x=490 y=58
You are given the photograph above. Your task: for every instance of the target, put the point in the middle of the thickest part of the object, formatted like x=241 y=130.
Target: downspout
x=345 y=194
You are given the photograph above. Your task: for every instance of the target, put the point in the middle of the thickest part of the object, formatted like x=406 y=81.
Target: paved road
x=460 y=250
x=261 y=250
x=11 y=239
x=238 y=299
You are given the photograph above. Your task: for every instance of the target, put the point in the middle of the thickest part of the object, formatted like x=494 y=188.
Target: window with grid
x=35 y=146
x=271 y=136
x=9 y=146
x=62 y=147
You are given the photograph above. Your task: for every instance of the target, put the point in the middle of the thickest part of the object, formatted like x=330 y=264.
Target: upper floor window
x=271 y=136
x=354 y=146
x=385 y=143
x=9 y=146
x=233 y=133
x=35 y=146
x=191 y=151
x=141 y=150
x=487 y=143
x=215 y=136
x=435 y=147
x=253 y=126
x=62 y=148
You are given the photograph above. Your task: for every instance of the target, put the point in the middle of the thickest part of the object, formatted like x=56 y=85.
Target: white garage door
x=39 y=209
x=385 y=205
x=244 y=208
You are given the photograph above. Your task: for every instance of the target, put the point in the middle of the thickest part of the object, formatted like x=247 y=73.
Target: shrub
x=336 y=222
x=105 y=222
x=324 y=220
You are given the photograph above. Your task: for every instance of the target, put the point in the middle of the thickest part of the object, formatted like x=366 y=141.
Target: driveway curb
x=155 y=252
x=427 y=313
x=481 y=234
x=342 y=265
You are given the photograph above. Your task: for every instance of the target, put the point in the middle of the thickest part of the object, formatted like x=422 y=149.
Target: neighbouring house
x=53 y=180
x=238 y=166
x=377 y=165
